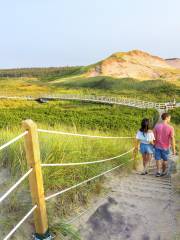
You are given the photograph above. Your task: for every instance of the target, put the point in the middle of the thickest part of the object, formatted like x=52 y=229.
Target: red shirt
x=163 y=134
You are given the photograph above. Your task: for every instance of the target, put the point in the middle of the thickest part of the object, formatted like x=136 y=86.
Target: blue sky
x=81 y=32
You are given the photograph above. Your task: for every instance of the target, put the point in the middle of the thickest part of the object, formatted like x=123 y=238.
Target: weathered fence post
x=36 y=180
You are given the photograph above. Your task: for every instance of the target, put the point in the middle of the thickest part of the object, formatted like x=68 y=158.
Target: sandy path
x=138 y=207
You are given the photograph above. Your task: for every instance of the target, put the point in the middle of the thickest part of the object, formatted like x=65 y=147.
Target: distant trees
x=42 y=73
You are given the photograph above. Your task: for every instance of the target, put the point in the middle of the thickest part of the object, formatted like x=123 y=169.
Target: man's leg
x=158 y=161
x=158 y=165
x=164 y=166
x=165 y=156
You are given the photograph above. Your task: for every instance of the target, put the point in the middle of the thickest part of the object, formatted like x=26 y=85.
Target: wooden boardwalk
x=132 y=102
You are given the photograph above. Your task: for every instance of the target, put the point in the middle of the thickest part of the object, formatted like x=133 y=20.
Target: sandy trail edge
x=137 y=207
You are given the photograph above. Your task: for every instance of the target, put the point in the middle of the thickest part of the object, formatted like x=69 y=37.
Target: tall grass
x=58 y=149
x=63 y=149
x=152 y=90
x=175 y=113
x=71 y=82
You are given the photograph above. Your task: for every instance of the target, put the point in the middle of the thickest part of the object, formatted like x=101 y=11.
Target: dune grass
x=152 y=90
x=93 y=119
x=74 y=82
x=175 y=113
x=57 y=149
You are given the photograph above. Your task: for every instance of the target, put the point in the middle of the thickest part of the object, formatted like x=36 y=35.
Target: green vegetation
x=62 y=230
x=57 y=149
x=36 y=81
x=86 y=115
x=152 y=90
x=176 y=115
x=74 y=117
x=176 y=120
x=87 y=118
x=69 y=116
x=42 y=73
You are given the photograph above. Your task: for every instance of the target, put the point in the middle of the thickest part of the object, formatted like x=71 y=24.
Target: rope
x=20 y=222
x=80 y=135
x=88 y=180
x=15 y=185
x=13 y=140
x=84 y=163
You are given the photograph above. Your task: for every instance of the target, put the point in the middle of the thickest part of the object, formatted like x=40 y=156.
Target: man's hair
x=165 y=115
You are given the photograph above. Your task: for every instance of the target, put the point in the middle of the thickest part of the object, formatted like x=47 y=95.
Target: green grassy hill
x=79 y=79
x=152 y=90
x=159 y=90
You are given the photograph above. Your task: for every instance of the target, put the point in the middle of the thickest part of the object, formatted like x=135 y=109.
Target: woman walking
x=145 y=138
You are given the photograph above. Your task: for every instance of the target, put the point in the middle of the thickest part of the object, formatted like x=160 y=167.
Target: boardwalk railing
x=36 y=179
x=101 y=99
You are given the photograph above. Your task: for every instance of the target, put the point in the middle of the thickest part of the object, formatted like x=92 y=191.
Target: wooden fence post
x=36 y=180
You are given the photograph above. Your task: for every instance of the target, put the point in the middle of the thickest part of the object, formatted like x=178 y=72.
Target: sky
x=43 y=33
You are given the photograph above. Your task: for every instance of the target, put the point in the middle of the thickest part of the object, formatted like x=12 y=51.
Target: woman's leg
x=144 y=156
x=148 y=159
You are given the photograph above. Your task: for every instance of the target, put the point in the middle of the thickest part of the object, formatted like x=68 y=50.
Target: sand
x=137 y=207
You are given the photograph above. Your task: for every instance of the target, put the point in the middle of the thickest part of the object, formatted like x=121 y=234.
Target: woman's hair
x=145 y=125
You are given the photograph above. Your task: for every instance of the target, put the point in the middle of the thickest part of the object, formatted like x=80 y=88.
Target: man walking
x=164 y=139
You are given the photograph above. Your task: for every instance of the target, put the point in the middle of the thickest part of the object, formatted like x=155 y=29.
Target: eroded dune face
x=174 y=62
x=133 y=64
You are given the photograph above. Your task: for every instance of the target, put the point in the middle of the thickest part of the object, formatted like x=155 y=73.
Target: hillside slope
x=129 y=74
x=134 y=64
x=174 y=62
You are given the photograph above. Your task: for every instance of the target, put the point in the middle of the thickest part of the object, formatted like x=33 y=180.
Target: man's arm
x=173 y=142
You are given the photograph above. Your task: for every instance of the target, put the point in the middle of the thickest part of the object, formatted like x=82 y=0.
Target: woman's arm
x=136 y=147
x=152 y=138
x=136 y=144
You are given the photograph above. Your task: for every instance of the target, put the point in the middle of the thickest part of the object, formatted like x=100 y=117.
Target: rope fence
x=20 y=223
x=15 y=185
x=11 y=189
x=81 y=135
x=36 y=180
x=13 y=140
x=81 y=183
x=84 y=163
